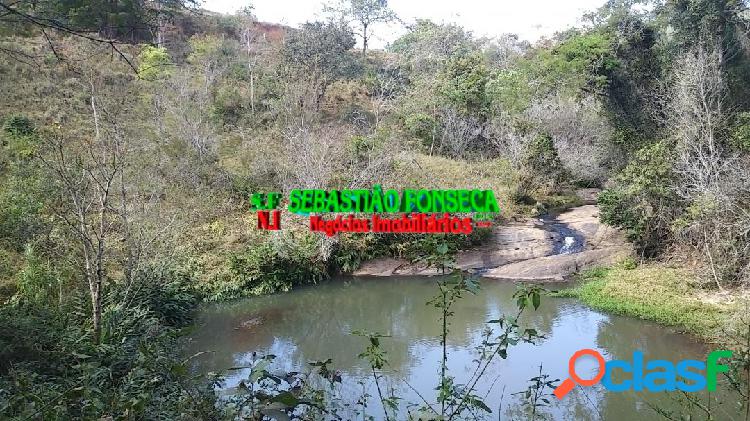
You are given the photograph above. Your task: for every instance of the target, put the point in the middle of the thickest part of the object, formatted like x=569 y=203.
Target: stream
x=571 y=241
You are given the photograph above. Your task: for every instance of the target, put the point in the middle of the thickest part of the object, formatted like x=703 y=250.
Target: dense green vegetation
x=133 y=133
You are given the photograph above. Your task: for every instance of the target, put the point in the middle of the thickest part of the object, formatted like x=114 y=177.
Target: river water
x=315 y=323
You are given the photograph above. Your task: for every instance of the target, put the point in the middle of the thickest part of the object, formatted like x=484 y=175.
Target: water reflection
x=316 y=323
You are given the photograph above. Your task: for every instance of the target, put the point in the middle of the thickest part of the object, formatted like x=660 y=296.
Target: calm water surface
x=315 y=323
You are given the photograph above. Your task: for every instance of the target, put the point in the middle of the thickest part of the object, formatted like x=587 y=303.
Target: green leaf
x=483 y=406
x=259 y=370
x=179 y=370
x=287 y=399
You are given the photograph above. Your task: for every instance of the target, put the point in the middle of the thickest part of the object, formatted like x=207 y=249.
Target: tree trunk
x=96 y=304
x=252 y=92
x=364 y=41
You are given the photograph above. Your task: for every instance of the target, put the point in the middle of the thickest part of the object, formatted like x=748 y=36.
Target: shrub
x=20 y=137
x=642 y=201
x=154 y=63
x=540 y=169
x=740 y=135
x=18 y=126
x=52 y=370
x=541 y=157
x=278 y=265
x=23 y=190
x=37 y=281
x=354 y=249
x=581 y=134
x=228 y=105
x=166 y=293
x=465 y=81
x=422 y=126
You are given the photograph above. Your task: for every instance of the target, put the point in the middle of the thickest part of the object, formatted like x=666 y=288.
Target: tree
x=385 y=85
x=580 y=64
x=154 y=63
x=364 y=14
x=130 y=20
x=87 y=176
x=427 y=45
x=465 y=81
x=713 y=181
x=697 y=22
x=248 y=37
x=641 y=200
x=318 y=53
x=633 y=84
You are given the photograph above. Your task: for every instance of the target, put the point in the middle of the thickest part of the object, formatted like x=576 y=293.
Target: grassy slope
x=652 y=292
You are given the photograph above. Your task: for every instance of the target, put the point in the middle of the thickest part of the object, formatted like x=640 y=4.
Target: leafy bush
x=540 y=169
x=740 y=135
x=465 y=83
x=228 y=105
x=165 y=292
x=37 y=281
x=642 y=201
x=581 y=63
x=22 y=191
x=20 y=137
x=52 y=370
x=18 y=126
x=154 y=63
x=354 y=249
x=278 y=266
x=541 y=157
x=422 y=126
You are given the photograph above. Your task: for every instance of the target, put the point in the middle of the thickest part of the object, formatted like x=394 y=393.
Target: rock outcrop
x=559 y=267
x=508 y=244
x=524 y=251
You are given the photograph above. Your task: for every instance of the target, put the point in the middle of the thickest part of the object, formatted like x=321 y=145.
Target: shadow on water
x=313 y=324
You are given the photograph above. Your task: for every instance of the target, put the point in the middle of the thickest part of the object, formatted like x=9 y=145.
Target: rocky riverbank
x=536 y=250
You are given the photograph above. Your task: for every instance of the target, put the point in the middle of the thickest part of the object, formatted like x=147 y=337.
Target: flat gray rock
x=559 y=267
x=382 y=266
x=523 y=251
x=585 y=220
x=508 y=244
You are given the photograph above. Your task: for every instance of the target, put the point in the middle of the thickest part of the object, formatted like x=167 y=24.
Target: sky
x=530 y=19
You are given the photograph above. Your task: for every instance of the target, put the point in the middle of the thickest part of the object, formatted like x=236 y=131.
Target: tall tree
x=363 y=14
x=88 y=176
x=317 y=52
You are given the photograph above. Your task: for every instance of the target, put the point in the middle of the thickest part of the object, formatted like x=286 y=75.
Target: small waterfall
x=571 y=241
x=568 y=246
